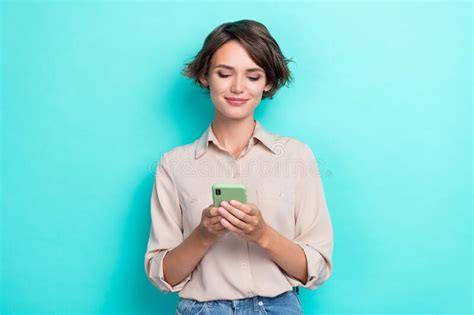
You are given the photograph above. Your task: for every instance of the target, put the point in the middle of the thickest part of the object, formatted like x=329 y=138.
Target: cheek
x=256 y=89
x=219 y=85
x=218 y=90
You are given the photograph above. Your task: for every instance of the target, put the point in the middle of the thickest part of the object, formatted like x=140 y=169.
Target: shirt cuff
x=157 y=274
x=315 y=265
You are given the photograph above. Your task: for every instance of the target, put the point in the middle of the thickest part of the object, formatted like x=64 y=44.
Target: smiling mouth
x=235 y=101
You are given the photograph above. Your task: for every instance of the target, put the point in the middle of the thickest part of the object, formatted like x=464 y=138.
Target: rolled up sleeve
x=313 y=228
x=166 y=230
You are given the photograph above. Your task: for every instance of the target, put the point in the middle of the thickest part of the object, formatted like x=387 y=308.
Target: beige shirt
x=282 y=179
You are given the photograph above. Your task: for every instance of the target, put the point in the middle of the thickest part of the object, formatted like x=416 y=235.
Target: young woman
x=239 y=258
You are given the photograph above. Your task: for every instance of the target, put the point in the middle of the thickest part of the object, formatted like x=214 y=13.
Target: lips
x=235 y=101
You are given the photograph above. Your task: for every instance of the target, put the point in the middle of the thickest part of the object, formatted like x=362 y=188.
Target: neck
x=233 y=134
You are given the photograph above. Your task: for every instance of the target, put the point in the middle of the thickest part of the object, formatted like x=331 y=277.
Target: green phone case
x=221 y=192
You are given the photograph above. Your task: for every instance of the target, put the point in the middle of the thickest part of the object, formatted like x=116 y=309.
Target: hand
x=245 y=219
x=210 y=227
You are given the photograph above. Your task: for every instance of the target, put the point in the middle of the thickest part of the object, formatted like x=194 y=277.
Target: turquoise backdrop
x=91 y=96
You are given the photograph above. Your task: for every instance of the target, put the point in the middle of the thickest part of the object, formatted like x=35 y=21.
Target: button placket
x=246 y=266
x=235 y=169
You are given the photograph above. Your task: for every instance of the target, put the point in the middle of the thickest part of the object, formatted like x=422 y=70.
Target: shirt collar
x=260 y=133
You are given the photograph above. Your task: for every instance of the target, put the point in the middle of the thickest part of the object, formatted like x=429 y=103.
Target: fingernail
x=224 y=203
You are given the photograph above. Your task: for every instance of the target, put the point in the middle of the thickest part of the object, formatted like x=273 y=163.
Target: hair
x=259 y=44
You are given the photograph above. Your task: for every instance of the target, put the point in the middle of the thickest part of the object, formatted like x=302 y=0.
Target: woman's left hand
x=245 y=219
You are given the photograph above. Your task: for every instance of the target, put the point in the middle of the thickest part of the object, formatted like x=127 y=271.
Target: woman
x=239 y=258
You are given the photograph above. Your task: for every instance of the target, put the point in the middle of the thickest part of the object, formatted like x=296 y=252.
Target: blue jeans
x=287 y=303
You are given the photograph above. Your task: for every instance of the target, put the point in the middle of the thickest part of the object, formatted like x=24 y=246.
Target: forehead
x=233 y=54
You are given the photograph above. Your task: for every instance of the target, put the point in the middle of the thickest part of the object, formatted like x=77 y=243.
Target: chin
x=234 y=113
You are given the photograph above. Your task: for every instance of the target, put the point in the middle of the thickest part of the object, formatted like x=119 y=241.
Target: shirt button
x=244 y=265
x=260 y=303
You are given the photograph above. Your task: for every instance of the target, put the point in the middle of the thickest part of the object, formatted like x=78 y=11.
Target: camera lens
x=218 y=191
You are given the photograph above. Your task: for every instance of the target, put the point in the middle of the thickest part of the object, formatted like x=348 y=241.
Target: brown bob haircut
x=259 y=44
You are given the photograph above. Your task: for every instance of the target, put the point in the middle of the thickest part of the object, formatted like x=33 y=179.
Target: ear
x=268 y=87
x=203 y=80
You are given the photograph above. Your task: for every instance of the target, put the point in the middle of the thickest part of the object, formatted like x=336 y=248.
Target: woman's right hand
x=210 y=227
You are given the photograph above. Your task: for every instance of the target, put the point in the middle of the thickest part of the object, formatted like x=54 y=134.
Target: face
x=233 y=75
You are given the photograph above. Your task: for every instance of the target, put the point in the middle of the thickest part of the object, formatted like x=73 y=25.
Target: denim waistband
x=251 y=300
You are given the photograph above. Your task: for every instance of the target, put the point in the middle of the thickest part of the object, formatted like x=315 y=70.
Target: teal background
x=92 y=95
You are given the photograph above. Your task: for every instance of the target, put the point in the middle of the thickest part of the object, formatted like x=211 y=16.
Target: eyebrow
x=232 y=68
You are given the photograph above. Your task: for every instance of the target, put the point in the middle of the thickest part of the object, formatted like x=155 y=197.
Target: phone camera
x=218 y=191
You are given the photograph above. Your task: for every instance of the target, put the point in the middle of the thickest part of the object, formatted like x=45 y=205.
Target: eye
x=221 y=75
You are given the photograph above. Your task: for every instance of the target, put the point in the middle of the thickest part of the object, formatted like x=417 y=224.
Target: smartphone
x=226 y=192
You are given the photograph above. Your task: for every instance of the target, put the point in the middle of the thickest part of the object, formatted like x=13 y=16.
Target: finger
x=242 y=206
x=219 y=227
x=215 y=219
x=213 y=211
x=229 y=226
x=231 y=218
x=207 y=213
x=237 y=212
x=210 y=212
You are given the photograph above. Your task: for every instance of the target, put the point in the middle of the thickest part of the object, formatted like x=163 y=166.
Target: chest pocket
x=192 y=206
x=277 y=205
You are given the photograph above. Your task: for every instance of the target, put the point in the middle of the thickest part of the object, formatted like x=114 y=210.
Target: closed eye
x=250 y=78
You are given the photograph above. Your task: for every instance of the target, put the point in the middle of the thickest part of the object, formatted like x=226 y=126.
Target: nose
x=237 y=85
